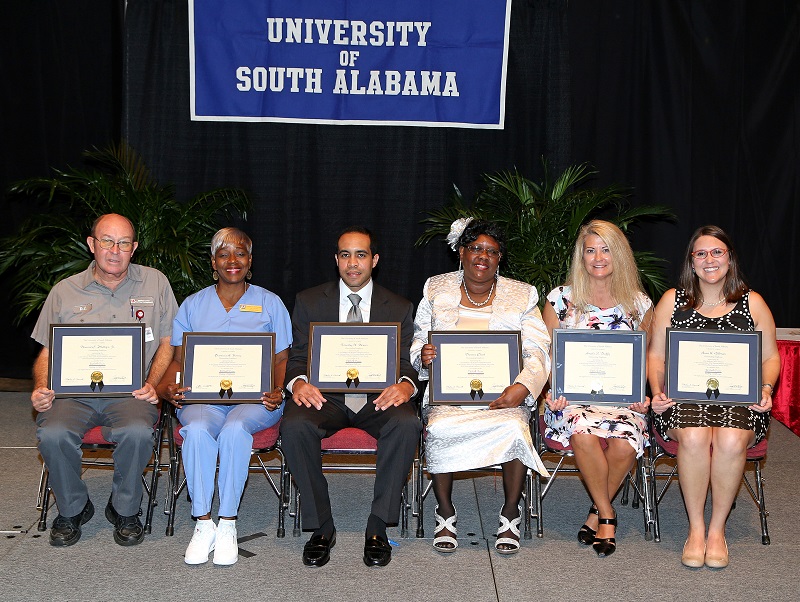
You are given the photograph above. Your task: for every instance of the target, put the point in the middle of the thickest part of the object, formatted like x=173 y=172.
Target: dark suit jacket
x=321 y=304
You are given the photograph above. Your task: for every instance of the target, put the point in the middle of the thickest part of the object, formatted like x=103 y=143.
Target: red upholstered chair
x=264 y=443
x=355 y=442
x=638 y=480
x=93 y=442
x=661 y=449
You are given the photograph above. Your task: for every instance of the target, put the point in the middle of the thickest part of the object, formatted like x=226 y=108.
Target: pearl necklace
x=482 y=303
x=720 y=302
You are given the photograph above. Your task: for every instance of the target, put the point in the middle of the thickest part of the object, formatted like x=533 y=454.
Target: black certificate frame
x=95 y=384
x=636 y=339
x=352 y=382
x=715 y=391
x=473 y=393
x=227 y=392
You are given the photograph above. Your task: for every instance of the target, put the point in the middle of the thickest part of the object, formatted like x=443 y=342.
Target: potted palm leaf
x=542 y=220
x=51 y=244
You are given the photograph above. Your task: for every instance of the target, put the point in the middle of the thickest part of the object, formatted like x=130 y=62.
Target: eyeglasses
x=715 y=253
x=125 y=246
x=477 y=250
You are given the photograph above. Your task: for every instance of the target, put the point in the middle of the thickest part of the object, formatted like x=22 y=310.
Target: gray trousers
x=126 y=421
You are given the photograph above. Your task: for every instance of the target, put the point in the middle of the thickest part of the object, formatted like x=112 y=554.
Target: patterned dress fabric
x=683 y=415
x=602 y=421
x=459 y=438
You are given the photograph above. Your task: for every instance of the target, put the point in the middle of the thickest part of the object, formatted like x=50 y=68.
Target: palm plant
x=542 y=221
x=173 y=236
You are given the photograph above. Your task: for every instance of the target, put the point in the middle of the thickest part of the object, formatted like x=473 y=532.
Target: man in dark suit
x=388 y=416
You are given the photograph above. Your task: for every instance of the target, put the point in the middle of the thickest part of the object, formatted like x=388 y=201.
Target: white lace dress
x=463 y=438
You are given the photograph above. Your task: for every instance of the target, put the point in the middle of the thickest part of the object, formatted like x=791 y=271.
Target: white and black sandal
x=508 y=525
x=441 y=525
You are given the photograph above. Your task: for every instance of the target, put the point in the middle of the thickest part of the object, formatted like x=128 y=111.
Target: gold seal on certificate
x=712 y=388
x=476 y=386
x=97 y=380
x=225 y=386
x=352 y=377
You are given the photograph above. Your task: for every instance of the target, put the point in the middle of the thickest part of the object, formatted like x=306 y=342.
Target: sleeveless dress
x=601 y=421
x=684 y=415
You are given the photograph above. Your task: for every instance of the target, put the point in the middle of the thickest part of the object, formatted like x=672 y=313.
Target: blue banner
x=382 y=62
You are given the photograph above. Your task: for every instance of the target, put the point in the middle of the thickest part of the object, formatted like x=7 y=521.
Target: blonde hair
x=626 y=285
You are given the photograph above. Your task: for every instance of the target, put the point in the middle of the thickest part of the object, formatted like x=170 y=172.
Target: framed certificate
x=354 y=357
x=227 y=367
x=599 y=367
x=96 y=360
x=713 y=366
x=473 y=367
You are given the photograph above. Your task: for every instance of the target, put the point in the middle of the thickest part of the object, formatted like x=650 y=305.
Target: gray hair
x=230 y=236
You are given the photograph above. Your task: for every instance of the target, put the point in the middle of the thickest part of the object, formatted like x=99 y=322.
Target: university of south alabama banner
x=386 y=62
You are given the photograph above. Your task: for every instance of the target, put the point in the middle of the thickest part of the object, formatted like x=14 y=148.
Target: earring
x=215 y=276
x=460 y=271
x=249 y=275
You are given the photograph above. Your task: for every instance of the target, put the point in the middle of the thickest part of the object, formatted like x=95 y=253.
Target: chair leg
x=296 y=530
x=761 y=502
x=43 y=499
x=283 y=497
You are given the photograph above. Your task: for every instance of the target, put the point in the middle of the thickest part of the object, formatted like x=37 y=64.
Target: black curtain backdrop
x=694 y=103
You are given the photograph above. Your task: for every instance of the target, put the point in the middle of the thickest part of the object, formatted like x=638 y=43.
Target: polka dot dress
x=688 y=415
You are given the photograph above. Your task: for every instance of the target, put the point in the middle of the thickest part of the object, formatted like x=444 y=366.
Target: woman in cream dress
x=457 y=439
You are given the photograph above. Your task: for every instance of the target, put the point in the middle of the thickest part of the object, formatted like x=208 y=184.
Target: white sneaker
x=227 y=546
x=205 y=534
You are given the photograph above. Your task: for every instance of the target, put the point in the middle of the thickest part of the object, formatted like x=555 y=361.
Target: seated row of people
x=603 y=291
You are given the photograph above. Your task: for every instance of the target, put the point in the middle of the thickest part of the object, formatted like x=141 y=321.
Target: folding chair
x=661 y=449
x=639 y=481
x=530 y=492
x=264 y=443
x=94 y=441
x=350 y=442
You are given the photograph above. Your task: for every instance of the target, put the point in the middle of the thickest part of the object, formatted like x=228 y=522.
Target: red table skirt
x=786 y=400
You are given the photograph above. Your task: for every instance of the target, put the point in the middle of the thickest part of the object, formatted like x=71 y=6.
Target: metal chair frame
x=95 y=434
x=257 y=463
x=637 y=481
x=530 y=491
x=332 y=447
x=755 y=455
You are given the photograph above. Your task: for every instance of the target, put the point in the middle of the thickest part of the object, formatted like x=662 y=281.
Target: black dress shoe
x=66 y=530
x=128 y=530
x=317 y=551
x=377 y=551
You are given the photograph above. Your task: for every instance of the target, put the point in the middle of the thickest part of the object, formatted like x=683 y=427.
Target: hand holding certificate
x=227 y=367
x=473 y=367
x=354 y=357
x=599 y=367
x=96 y=360
x=713 y=367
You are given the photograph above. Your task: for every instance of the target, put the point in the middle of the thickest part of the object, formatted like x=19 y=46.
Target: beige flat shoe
x=718 y=560
x=694 y=560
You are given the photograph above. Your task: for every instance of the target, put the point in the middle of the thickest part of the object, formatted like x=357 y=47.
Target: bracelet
x=771 y=388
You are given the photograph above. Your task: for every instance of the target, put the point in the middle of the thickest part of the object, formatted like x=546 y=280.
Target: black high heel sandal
x=606 y=546
x=586 y=533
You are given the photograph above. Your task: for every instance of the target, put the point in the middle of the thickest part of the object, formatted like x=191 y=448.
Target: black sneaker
x=128 y=530
x=66 y=530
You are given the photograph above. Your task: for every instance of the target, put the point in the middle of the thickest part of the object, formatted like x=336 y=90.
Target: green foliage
x=542 y=221
x=173 y=236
